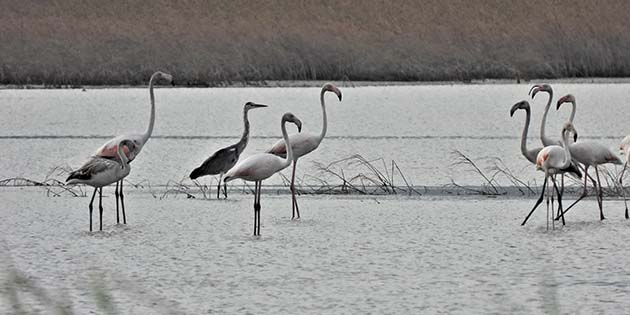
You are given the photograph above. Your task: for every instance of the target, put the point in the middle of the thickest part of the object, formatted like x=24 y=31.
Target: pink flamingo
x=304 y=143
x=261 y=166
x=553 y=159
x=589 y=153
x=109 y=149
x=99 y=172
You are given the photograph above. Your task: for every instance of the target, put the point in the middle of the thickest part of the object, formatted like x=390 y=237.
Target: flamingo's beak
x=575 y=137
x=259 y=105
x=533 y=90
x=560 y=102
x=513 y=110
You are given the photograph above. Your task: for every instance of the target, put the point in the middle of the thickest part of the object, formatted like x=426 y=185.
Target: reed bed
x=210 y=43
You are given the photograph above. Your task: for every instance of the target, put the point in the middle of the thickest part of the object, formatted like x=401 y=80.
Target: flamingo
x=304 y=143
x=99 y=172
x=109 y=149
x=546 y=141
x=589 y=153
x=530 y=155
x=223 y=160
x=624 y=147
x=261 y=166
x=553 y=159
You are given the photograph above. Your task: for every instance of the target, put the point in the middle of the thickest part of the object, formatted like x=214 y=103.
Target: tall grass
x=73 y=42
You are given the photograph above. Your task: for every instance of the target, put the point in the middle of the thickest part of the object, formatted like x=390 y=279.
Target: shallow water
x=436 y=253
x=417 y=126
x=348 y=255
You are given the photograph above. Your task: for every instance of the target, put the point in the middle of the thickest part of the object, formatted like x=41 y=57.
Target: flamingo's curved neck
x=572 y=112
x=325 y=123
x=240 y=146
x=525 y=130
x=567 y=153
x=124 y=161
x=285 y=136
x=149 y=131
x=546 y=141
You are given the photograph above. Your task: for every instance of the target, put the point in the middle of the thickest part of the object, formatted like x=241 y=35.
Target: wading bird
x=530 y=155
x=99 y=172
x=589 y=153
x=553 y=159
x=223 y=160
x=261 y=166
x=108 y=150
x=304 y=143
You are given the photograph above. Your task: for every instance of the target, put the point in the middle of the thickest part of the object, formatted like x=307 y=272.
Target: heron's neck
x=285 y=136
x=240 y=146
x=149 y=131
x=325 y=123
x=546 y=141
x=525 y=130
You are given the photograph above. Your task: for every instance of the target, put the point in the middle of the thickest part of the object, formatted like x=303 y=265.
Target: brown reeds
x=66 y=43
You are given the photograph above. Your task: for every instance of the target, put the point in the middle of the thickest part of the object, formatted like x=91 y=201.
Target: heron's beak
x=259 y=105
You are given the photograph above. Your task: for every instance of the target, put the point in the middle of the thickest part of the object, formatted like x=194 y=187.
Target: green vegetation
x=74 y=42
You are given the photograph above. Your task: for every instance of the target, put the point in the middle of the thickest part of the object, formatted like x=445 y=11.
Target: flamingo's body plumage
x=109 y=149
x=261 y=166
x=99 y=172
x=304 y=143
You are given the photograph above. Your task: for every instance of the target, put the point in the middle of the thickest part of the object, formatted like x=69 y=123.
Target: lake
x=431 y=253
x=417 y=126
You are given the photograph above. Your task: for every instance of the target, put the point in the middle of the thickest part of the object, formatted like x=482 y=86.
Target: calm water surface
x=417 y=126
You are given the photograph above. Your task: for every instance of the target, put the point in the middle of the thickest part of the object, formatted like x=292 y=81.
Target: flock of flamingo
x=111 y=162
x=567 y=156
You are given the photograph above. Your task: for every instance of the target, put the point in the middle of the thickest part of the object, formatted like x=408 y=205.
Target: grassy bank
x=201 y=42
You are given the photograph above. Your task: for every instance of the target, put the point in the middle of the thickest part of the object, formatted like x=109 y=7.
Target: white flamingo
x=304 y=143
x=589 y=153
x=108 y=150
x=554 y=159
x=261 y=166
x=99 y=172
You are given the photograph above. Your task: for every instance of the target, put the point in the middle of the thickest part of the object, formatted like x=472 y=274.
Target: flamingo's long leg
x=122 y=202
x=100 y=208
x=91 y=208
x=623 y=191
x=584 y=192
x=537 y=202
x=559 y=199
x=600 y=196
x=117 y=211
x=296 y=210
